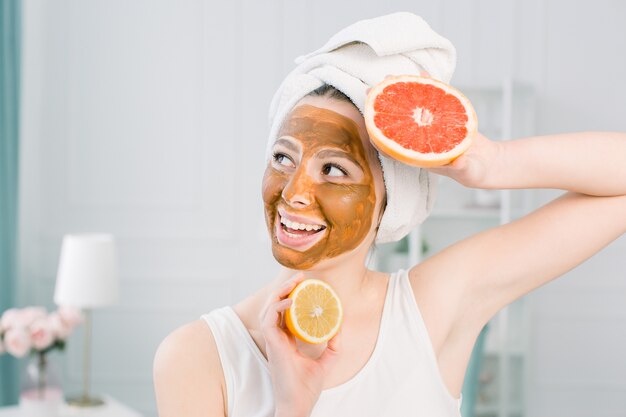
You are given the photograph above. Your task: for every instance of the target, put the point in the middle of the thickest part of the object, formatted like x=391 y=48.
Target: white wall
x=147 y=119
x=578 y=326
x=133 y=124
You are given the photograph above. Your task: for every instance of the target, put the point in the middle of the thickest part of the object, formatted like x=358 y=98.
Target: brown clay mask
x=318 y=188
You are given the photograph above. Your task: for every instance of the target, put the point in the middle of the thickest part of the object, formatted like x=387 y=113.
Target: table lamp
x=87 y=278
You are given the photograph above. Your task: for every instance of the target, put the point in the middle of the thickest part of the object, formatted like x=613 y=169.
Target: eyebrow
x=287 y=144
x=326 y=153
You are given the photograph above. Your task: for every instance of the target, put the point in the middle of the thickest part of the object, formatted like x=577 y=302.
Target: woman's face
x=323 y=185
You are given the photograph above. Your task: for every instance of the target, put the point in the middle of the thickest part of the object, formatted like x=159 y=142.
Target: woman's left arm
x=487 y=271
x=592 y=163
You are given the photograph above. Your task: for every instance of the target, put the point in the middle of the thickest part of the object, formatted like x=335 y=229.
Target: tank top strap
x=406 y=308
x=402 y=305
x=245 y=368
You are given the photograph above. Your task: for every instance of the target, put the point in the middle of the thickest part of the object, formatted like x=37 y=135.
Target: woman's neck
x=350 y=278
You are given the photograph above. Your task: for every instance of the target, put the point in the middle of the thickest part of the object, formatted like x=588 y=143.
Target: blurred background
x=148 y=120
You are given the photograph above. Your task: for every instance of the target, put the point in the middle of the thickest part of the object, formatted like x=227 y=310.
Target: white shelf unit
x=505 y=111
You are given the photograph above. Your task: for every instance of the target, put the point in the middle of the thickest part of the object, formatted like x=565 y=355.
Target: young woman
x=406 y=337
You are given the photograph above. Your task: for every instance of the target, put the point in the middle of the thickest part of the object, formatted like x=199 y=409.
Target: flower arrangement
x=33 y=330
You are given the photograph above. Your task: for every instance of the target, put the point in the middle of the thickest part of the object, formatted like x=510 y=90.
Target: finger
x=289 y=285
x=272 y=318
x=458 y=163
x=331 y=353
x=277 y=295
x=335 y=343
x=448 y=170
x=278 y=342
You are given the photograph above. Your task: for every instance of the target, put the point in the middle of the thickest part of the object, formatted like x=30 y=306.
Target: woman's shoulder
x=190 y=338
x=187 y=369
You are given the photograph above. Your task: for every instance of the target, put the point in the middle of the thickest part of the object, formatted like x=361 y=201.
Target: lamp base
x=84 y=401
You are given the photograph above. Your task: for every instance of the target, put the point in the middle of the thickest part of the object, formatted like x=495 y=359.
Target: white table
x=111 y=408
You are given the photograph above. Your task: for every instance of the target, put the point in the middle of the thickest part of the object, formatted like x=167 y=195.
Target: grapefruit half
x=419 y=121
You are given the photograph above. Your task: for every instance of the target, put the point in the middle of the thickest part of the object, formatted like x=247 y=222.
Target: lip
x=299 y=219
x=299 y=243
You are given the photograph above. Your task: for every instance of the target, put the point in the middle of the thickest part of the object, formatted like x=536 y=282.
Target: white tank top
x=401 y=377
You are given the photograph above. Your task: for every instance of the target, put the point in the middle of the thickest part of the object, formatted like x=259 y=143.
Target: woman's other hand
x=476 y=166
x=297 y=379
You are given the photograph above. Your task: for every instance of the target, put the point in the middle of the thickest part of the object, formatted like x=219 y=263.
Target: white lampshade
x=88 y=271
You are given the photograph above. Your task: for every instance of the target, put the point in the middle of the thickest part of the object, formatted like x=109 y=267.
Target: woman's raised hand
x=476 y=166
x=297 y=379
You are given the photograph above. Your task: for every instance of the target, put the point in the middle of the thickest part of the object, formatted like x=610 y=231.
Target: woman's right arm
x=188 y=376
x=296 y=378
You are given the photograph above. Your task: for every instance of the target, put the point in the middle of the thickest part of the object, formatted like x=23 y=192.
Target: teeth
x=299 y=226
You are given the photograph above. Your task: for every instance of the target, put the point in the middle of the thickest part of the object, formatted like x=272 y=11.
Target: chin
x=304 y=263
x=298 y=261
x=316 y=257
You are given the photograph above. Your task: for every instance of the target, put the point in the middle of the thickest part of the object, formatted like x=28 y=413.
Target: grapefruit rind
x=293 y=325
x=410 y=156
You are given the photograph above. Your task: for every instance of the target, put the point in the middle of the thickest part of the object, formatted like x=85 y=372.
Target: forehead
x=344 y=114
x=341 y=107
x=315 y=126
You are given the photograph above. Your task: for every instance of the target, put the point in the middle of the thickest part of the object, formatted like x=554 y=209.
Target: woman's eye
x=282 y=159
x=333 y=170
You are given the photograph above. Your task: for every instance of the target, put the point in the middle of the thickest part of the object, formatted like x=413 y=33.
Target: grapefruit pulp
x=419 y=121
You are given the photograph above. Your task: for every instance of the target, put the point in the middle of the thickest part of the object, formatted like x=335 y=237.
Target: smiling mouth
x=297 y=230
x=297 y=236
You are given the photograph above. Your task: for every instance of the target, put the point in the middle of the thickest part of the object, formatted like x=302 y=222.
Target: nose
x=297 y=191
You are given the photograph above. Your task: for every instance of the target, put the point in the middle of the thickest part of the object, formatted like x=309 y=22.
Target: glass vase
x=40 y=394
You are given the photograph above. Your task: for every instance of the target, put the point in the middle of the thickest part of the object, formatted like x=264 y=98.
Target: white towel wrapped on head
x=355 y=59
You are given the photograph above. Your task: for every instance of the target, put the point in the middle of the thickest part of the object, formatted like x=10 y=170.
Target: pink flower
x=58 y=326
x=15 y=317
x=41 y=333
x=10 y=318
x=17 y=341
x=30 y=314
x=71 y=316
